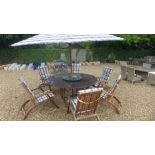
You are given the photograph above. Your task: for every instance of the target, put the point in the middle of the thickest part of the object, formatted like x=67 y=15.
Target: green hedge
x=103 y=54
x=109 y=54
x=20 y=55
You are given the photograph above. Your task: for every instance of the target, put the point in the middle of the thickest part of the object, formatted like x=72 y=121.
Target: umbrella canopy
x=65 y=38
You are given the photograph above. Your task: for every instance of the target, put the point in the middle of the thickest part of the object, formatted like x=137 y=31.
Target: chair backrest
x=124 y=72
x=63 y=68
x=88 y=100
x=44 y=74
x=106 y=74
x=26 y=87
x=76 y=68
x=60 y=67
x=131 y=73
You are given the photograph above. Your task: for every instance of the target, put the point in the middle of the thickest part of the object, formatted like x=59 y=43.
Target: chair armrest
x=36 y=89
x=107 y=86
x=43 y=93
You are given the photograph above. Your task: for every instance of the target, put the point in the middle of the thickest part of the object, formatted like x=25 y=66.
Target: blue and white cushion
x=91 y=90
x=106 y=74
x=76 y=68
x=44 y=74
x=74 y=102
x=44 y=97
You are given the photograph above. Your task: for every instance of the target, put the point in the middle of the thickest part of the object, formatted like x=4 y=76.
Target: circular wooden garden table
x=57 y=81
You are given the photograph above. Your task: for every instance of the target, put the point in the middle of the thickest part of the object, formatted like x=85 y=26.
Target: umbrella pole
x=70 y=57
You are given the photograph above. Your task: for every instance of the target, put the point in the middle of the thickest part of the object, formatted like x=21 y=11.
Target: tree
x=7 y=39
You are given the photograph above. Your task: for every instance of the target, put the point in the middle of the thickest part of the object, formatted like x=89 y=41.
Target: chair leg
x=28 y=112
x=75 y=119
x=86 y=117
x=74 y=115
x=117 y=100
x=114 y=106
x=110 y=101
x=50 y=88
x=98 y=118
x=62 y=93
x=24 y=104
x=40 y=87
x=68 y=110
x=54 y=103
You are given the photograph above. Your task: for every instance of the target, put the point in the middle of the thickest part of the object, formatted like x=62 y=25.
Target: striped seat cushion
x=44 y=97
x=106 y=74
x=44 y=74
x=74 y=103
x=76 y=68
x=91 y=90
x=51 y=94
x=104 y=94
x=97 y=84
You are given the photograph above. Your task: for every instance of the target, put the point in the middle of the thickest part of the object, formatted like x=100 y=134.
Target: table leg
x=62 y=93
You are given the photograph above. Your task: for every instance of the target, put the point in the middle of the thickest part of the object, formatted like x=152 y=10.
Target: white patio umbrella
x=66 y=38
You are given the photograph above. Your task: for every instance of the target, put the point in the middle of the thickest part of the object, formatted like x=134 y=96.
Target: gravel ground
x=137 y=99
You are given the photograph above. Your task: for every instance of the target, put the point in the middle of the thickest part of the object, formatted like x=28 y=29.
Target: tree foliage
x=7 y=39
x=139 y=40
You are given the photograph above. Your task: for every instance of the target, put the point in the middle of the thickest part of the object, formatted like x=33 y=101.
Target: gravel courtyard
x=138 y=100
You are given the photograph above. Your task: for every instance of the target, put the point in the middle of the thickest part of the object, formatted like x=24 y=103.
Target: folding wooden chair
x=84 y=105
x=36 y=99
x=109 y=94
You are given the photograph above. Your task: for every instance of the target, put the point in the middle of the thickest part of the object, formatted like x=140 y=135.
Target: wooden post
x=70 y=56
